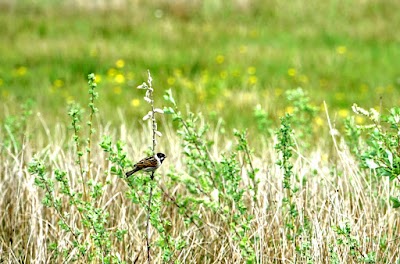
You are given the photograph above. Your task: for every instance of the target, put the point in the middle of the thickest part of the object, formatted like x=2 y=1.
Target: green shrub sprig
x=67 y=198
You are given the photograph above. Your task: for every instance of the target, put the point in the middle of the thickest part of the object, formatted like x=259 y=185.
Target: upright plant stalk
x=148 y=221
x=284 y=146
x=93 y=110
x=154 y=127
x=243 y=145
x=151 y=114
x=75 y=112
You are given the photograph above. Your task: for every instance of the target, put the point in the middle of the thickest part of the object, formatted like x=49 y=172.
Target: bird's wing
x=144 y=163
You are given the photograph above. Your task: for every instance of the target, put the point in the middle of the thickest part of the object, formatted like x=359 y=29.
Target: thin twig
x=148 y=221
x=154 y=128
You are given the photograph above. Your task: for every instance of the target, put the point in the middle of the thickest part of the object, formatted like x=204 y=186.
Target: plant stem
x=153 y=117
x=148 y=220
x=75 y=124
x=154 y=128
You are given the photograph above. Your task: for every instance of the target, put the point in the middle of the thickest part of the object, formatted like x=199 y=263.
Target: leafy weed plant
x=89 y=238
x=382 y=151
x=215 y=183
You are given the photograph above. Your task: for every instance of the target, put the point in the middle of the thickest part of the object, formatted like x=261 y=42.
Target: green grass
x=268 y=38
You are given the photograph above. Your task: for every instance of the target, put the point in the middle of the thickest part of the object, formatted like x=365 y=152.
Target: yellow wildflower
x=251 y=70
x=119 y=78
x=319 y=121
x=171 y=80
x=343 y=113
x=220 y=59
x=135 y=102
x=58 y=83
x=253 y=80
x=120 y=63
x=289 y=109
x=177 y=72
x=341 y=50
x=292 y=72
x=21 y=71
x=223 y=74
x=111 y=72
x=360 y=120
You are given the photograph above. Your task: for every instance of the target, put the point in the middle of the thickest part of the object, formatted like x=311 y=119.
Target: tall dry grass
x=333 y=191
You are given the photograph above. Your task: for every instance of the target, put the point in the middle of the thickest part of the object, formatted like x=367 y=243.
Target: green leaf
x=395 y=201
x=169 y=110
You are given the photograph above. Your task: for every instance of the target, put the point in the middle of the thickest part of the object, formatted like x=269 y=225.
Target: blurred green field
x=219 y=57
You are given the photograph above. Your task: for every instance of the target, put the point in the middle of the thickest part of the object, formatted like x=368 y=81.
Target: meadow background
x=234 y=64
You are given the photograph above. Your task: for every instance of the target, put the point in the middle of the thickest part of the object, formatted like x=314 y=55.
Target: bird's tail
x=129 y=173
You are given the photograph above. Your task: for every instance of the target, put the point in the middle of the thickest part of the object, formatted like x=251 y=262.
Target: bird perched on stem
x=148 y=164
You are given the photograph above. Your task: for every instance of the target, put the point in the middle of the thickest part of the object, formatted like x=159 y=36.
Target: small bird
x=148 y=164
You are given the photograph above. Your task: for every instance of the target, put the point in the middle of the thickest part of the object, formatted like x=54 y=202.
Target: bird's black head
x=161 y=156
